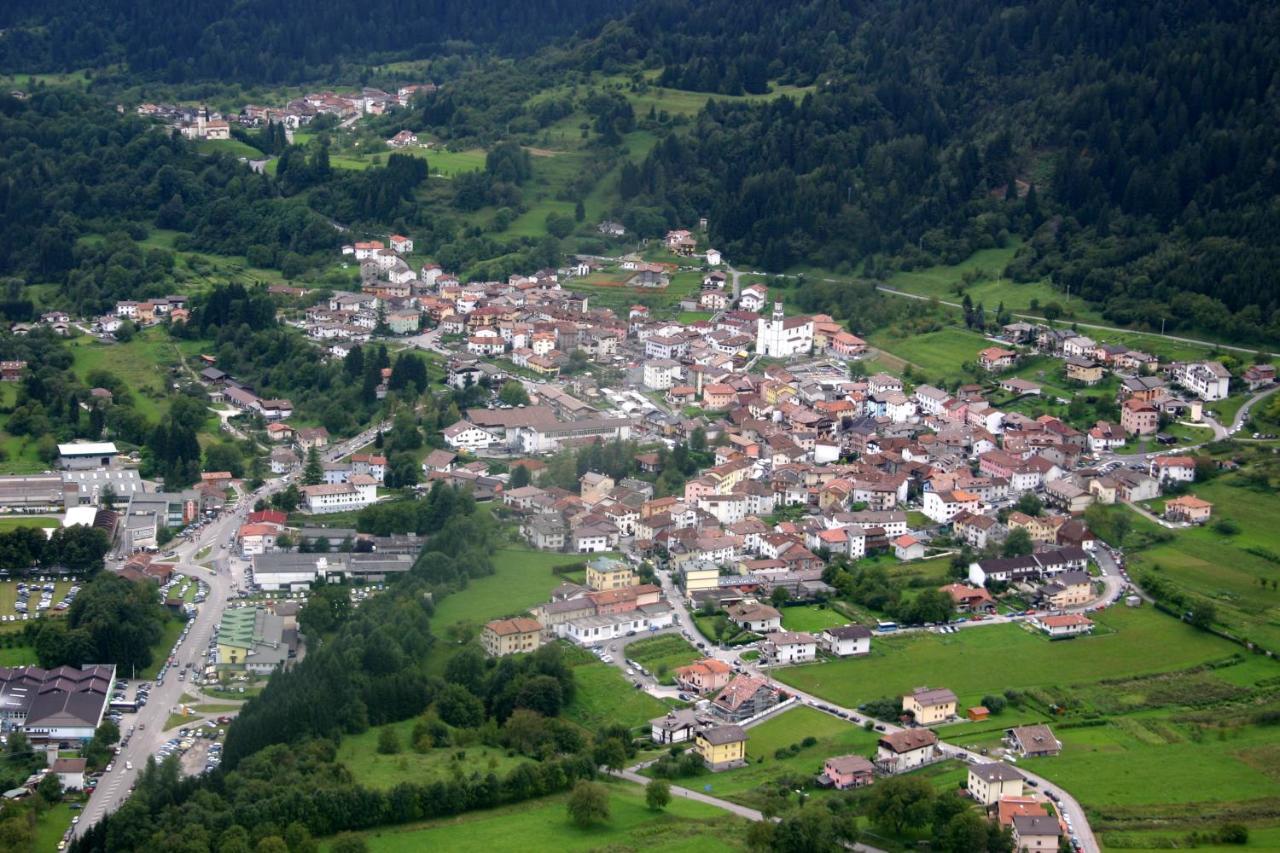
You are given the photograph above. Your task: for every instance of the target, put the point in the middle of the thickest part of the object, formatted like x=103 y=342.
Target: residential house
x=930 y=705
x=1034 y=833
x=1139 y=417
x=1173 y=469
x=722 y=747
x=1064 y=625
x=743 y=698
x=900 y=751
x=846 y=771
x=1188 y=508
x=783 y=647
x=1208 y=380
x=752 y=616
x=990 y=781
x=704 y=676
x=604 y=573
x=997 y=358
x=1069 y=589
x=1083 y=370
x=511 y=636
x=970 y=599
x=1032 y=741
x=678 y=726
x=846 y=640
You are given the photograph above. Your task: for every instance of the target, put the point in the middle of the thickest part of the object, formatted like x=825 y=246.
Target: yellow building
x=722 y=747
x=511 y=636
x=604 y=573
x=700 y=577
x=930 y=706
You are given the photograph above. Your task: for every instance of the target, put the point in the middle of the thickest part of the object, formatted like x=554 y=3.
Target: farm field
x=962 y=661
x=683 y=827
x=604 y=696
x=811 y=618
x=373 y=769
x=1229 y=569
x=662 y=655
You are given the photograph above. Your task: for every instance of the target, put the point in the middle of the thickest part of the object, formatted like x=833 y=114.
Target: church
x=781 y=336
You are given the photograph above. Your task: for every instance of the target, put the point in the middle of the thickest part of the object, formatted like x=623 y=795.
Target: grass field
x=161 y=649
x=51 y=825
x=18 y=656
x=234 y=147
x=938 y=355
x=963 y=661
x=1229 y=569
x=604 y=696
x=834 y=737
x=12 y=522
x=683 y=827
x=522 y=578
x=810 y=618
x=375 y=770
x=662 y=655
x=144 y=364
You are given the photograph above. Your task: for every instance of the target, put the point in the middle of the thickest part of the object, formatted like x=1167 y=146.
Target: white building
x=592 y=630
x=941 y=507
x=1208 y=380
x=358 y=493
x=781 y=336
x=661 y=374
x=789 y=647
x=467 y=436
x=846 y=640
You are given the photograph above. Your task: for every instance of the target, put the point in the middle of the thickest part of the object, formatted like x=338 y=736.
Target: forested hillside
x=1143 y=136
x=72 y=169
x=272 y=40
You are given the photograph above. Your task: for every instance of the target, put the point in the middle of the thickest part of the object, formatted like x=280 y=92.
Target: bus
x=124 y=705
x=886 y=627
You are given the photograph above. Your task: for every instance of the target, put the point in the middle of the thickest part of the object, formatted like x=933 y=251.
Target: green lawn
x=234 y=147
x=683 y=827
x=522 y=578
x=604 y=696
x=18 y=656
x=10 y=522
x=964 y=661
x=145 y=364
x=51 y=825
x=370 y=768
x=1229 y=569
x=993 y=289
x=939 y=355
x=662 y=655
x=162 y=648
x=834 y=737
x=810 y=618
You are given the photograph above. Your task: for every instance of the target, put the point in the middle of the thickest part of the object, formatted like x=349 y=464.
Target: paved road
x=149 y=734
